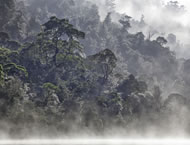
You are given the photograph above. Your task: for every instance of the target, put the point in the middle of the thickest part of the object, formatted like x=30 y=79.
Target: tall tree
x=7 y=8
x=60 y=30
x=161 y=40
x=125 y=22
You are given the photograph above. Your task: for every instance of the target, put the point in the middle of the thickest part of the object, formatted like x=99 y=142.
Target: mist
x=157 y=17
x=162 y=19
x=82 y=68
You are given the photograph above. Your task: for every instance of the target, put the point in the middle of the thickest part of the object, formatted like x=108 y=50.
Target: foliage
x=125 y=21
x=1 y=75
x=109 y=78
x=161 y=40
x=8 y=67
x=6 y=8
x=104 y=62
x=50 y=86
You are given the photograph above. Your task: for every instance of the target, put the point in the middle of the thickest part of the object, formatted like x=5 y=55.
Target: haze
x=163 y=20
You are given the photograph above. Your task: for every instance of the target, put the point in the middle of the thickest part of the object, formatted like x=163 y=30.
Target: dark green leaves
x=12 y=68
x=58 y=27
x=1 y=75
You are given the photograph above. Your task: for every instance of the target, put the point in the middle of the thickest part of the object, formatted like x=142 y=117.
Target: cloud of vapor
x=161 y=18
x=155 y=12
x=158 y=17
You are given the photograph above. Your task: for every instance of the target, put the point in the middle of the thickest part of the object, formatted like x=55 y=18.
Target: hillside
x=63 y=70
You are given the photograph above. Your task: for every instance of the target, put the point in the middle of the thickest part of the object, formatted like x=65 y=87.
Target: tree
x=60 y=31
x=4 y=37
x=174 y=102
x=161 y=40
x=55 y=57
x=7 y=8
x=107 y=20
x=12 y=20
x=125 y=22
x=172 y=39
x=6 y=42
x=58 y=27
x=13 y=45
x=157 y=96
x=50 y=94
x=132 y=85
x=14 y=69
x=15 y=26
x=1 y=75
x=139 y=39
x=175 y=7
x=142 y=23
x=151 y=33
x=104 y=62
x=110 y=4
x=8 y=67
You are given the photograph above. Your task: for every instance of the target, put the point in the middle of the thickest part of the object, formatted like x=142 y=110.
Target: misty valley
x=82 y=69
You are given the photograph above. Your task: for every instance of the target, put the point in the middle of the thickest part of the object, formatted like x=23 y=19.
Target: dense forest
x=64 y=70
